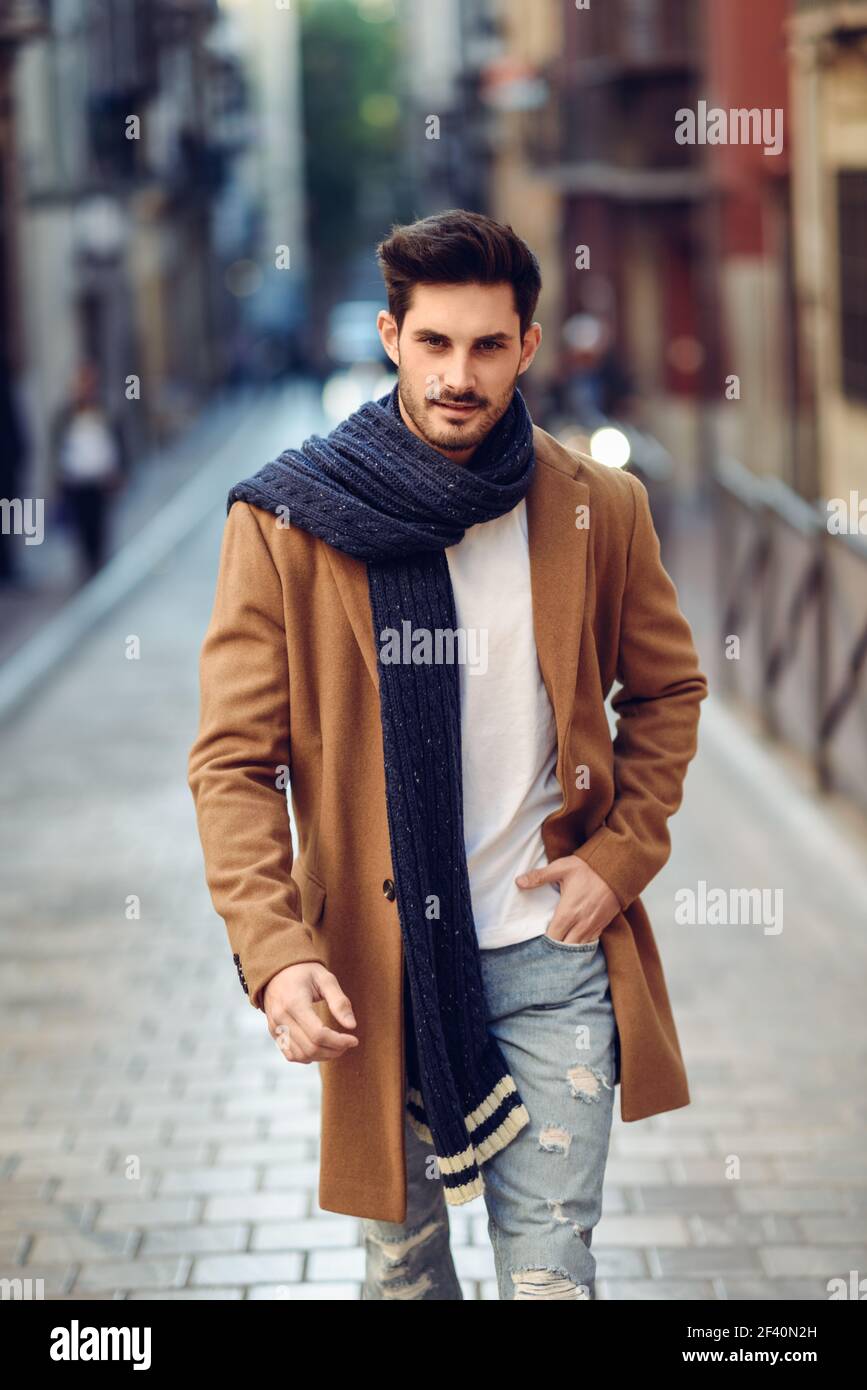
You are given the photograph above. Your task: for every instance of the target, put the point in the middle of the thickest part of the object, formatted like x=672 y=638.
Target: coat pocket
x=313 y=894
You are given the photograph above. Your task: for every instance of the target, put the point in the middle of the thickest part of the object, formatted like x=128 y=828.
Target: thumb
x=336 y=1000
x=548 y=873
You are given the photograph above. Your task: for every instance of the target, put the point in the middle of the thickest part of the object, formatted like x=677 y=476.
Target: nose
x=458 y=377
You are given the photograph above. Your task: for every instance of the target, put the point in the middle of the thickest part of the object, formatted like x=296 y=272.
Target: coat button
x=388 y=889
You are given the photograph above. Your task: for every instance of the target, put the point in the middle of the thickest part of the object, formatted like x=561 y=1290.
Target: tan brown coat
x=289 y=677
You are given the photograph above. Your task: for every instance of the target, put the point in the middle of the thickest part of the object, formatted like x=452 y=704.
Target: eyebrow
x=482 y=338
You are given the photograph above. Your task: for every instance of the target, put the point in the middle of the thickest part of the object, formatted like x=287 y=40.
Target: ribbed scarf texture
x=375 y=490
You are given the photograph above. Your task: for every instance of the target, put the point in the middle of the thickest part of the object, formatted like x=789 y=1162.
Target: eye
x=433 y=340
x=488 y=343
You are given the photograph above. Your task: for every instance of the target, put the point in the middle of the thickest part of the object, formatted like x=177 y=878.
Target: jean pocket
x=579 y=947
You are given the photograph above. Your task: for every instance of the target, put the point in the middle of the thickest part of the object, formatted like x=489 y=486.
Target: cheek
x=498 y=378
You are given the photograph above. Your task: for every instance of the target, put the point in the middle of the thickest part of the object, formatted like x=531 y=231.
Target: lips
x=447 y=405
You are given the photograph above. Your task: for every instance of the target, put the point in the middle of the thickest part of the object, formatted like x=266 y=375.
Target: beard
x=453 y=436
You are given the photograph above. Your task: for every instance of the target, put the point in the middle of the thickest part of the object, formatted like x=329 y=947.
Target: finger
x=329 y=988
x=562 y=922
x=548 y=873
x=301 y=1016
x=296 y=1048
x=317 y=1033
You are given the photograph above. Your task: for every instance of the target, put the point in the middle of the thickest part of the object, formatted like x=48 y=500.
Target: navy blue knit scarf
x=372 y=488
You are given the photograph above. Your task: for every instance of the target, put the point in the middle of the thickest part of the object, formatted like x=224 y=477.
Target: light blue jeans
x=549 y=1008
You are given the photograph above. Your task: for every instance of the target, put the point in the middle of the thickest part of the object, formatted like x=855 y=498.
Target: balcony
x=626 y=39
x=617 y=140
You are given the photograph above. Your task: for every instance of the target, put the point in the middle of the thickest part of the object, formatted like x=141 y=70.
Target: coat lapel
x=558 y=576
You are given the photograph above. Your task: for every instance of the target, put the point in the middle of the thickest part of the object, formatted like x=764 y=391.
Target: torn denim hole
x=584 y=1082
x=554 y=1138
x=543 y=1281
x=406 y=1288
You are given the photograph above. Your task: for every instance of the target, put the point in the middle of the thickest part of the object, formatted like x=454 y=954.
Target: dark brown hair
x=458 y=248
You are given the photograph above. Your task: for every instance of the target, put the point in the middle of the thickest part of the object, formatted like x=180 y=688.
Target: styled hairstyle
x=458 y=248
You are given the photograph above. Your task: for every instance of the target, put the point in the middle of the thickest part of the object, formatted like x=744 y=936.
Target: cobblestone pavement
x=156 y=1145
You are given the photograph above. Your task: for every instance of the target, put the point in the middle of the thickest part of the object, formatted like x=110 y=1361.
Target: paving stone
x=683 y=1200
x=206 y=1180
x=638 y=1230
x=704 y=1261
x=661 y=1290
x=738 y=1229
x=833 y=1230
x=257 y=1206
x=827 y=1261
x=246 y=1268
x=765 y=1290
x=305 y=1235
x=690 y=1172
x=638 y=1147
x=313 y=1293
x=33 y=1140
x=105 y=1185
x=134 y=1274
x=194 y=1240
x=206 y=1295
x=68 y=1246
x=262 y=1151
x=625 y=1172
x=39 y=1216
x=618 y=1261
x=336 y=1264
x=795 y=1200
x=290 y=1175
x=162 y=1211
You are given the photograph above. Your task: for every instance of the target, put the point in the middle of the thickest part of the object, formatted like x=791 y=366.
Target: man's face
x=459 y=355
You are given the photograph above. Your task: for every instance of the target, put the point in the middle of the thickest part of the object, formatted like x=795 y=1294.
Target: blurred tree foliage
x=350 y=81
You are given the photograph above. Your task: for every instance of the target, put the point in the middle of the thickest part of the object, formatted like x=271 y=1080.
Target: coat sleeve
x=242 y=741
x=657 y=709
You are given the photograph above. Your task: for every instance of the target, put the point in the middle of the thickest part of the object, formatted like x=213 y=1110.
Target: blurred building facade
x=730 y=272
x=829 y=87
x=150 y=154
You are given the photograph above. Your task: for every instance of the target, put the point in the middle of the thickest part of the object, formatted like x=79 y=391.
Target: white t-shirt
x=508 y=733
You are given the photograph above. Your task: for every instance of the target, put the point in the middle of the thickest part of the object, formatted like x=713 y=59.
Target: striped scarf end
x=467 y=1192
x=472 y=1158
x=512 y=1125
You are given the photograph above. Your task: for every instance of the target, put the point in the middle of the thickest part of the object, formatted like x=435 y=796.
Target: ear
x=530 y=346
x=386 y=326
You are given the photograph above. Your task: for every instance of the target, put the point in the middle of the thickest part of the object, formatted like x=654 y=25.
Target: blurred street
x=192 y=199
x=155 y=1143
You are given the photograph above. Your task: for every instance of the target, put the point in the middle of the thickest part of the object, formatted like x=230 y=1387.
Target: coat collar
x=558 y=575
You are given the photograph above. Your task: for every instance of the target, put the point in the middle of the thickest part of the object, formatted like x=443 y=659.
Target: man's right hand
x=293 y=1023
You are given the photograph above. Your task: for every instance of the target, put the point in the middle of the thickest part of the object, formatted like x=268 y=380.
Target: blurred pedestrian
x=89 y=461
x=591 y=385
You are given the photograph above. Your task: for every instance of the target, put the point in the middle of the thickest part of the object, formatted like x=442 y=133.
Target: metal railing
x=793 y=602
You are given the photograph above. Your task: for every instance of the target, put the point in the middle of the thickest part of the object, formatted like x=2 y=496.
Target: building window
x=852 y=220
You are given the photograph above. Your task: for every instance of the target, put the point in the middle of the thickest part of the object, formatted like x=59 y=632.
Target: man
x=419 y=618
